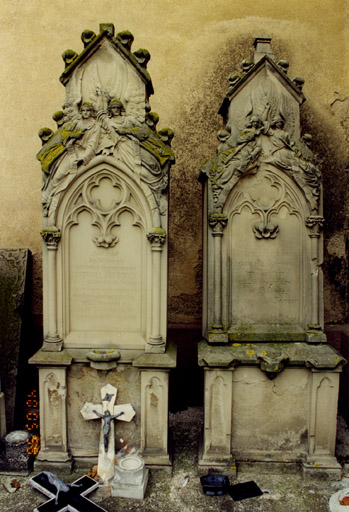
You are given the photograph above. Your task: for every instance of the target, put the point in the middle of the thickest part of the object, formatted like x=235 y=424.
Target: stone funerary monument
x=271 y=380
x=104 y=202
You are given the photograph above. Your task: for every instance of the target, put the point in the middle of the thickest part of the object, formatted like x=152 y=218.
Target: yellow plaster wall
x=194 y=45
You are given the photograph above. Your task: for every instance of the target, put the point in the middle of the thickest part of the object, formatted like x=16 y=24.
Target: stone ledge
x=137 y=358
x=43 y=358
x=152 y=360
x=270 y=357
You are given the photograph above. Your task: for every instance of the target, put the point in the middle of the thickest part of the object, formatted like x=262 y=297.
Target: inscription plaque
x=105 y=285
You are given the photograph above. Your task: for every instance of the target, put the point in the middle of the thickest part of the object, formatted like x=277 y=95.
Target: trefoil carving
x=104 y=216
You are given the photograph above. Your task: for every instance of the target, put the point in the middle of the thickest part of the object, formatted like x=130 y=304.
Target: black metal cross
x=65 y=497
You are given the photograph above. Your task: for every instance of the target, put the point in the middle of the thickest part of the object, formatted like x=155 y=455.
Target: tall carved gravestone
x=104 y=201
x=271 y=380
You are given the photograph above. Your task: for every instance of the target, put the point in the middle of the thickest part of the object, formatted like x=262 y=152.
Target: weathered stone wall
x=194 y=47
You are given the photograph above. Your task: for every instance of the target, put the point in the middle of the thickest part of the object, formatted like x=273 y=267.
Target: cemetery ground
x=181 y=491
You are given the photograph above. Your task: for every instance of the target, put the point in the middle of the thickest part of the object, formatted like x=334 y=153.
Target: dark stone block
x=14 y=264
x=14 y=457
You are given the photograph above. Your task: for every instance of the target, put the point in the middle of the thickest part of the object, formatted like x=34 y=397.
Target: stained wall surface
x=194 y=47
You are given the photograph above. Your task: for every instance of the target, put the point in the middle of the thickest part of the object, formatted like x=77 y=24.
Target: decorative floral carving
x=157 y=238
x=105 y=217
x=315 y=221
x=217 y=221
x=51 y=236
x=265 y=229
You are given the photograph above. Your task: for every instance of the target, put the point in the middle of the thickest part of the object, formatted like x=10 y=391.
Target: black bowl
x=214 y=485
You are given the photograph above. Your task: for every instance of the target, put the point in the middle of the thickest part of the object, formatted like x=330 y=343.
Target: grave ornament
x=106 y=113
x=65 y=497
x=263 y=324
x=264 y=189
x=108 y=412
x=104 y=228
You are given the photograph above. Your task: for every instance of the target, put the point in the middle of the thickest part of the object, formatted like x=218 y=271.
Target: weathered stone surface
x=272 y=395
x=14 y=268
x=255 y=354
x=131 y=478
x=14 y=457
x=105 y=221
x=262 y=214
x=107 y=411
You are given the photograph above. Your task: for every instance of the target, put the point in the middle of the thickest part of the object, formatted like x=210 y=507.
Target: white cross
x=107 y=411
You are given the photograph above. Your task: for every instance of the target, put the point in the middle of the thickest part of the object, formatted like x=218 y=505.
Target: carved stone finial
x=126 y=39
x=108 y=27
x=233 y=79
x=265 y=230
x=262 y=47
x=87 y=36
x=45 y=134
x=166 y=135
x=152 y=119
x=299 y=82
x=58 y=117
x=284 y=65
x=246 y=65
x=68 y=56
x=307 y=139
x=142 y=56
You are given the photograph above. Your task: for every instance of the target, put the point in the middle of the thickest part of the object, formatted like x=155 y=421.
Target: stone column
x=53 y=415
x=52 y=341
x=216 y=446
x=154 y=416
x=217 y=333
x=155 y=342
x=322 y=424
x=315 y=223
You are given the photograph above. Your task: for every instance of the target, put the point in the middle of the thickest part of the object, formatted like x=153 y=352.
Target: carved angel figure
x=238 y=160
x=76 y=145
x=281 y=147
x=116 y=138
x=154 y=150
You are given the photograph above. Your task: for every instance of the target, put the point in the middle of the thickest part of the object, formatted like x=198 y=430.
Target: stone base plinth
x=322 y=469
x=67 y=382
x=270 y=403
x=131 y=478
x=220 y=465
x=58 y=468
